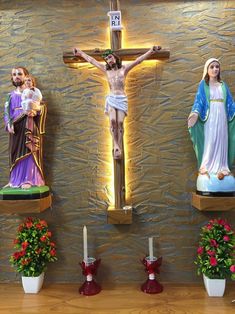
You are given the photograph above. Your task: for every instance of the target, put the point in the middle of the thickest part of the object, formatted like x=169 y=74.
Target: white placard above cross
x=115 y=20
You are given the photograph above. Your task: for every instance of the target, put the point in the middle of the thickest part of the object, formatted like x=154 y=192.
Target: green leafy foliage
x=216 y=250
x=34 y=248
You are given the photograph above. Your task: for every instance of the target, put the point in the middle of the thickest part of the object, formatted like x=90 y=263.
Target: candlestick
x=85 y=253
x=151 y=249
x=152 y=285
x=89 y=269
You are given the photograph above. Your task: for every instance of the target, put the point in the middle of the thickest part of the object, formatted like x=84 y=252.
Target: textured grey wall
x=161 y=166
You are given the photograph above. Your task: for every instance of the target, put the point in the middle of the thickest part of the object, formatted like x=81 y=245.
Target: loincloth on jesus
x=118 y=102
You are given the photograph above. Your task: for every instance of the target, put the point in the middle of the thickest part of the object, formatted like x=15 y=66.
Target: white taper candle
x=151 y=249
x=85 y=253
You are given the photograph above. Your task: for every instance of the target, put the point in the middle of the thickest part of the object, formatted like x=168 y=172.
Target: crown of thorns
x=107 y=52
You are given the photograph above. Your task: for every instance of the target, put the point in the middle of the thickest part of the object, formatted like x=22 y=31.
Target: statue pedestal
x=211 y=184
x=213 y=203
x=23 y=201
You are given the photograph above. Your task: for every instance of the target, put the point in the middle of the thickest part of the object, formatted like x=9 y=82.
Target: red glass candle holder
x=89 y=269
x=151 y=267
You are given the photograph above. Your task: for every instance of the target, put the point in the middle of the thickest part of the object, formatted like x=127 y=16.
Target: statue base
x=22 y=201
x=208 y=185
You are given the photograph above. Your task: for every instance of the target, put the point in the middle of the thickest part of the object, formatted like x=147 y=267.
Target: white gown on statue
x=215 y=155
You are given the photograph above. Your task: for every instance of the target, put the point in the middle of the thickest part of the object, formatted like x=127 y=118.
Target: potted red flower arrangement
x=34 y=250
x=216 y=255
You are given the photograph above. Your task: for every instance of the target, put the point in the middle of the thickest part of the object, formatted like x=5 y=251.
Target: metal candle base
x=151 y=267
x=90 y=286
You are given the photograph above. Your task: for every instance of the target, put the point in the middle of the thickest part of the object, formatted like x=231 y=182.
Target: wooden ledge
x=213 y=203
x=25 y=206
x=119 y=216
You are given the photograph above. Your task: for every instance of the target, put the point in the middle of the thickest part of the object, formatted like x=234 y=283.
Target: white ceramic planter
x=214 y=287
x=32 y=284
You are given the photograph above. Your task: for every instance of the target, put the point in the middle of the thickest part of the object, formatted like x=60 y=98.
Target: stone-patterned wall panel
x=160 y=162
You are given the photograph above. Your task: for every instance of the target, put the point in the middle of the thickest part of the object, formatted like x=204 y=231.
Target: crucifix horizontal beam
x=124 y=54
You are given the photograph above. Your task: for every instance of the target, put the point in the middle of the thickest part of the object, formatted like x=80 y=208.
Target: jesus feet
x=117 y=153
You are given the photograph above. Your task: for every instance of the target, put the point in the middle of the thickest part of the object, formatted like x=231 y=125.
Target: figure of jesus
x=116 y=106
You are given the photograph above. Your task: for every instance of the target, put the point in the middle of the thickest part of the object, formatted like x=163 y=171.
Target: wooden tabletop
x=121 y=299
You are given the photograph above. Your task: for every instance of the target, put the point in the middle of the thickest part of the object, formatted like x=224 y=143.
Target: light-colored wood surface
x=25 y=206
x=119 y=181
x=212 y=203
x=64 y=298
x=119 y=216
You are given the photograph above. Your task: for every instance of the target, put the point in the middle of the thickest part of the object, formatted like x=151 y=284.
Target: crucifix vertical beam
x=115 y=36
x=118 y=164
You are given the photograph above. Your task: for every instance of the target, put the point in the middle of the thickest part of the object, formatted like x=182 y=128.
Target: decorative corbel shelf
x=19 y=201
x=213 y=203
x=122 y=216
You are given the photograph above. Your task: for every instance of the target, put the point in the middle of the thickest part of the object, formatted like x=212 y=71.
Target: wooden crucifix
x=116 y=106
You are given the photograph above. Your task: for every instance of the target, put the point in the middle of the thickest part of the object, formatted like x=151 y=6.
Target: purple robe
x=25 y=162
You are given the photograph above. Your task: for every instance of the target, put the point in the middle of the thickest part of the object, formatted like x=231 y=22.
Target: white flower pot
x=214 y=287
x=32 y=284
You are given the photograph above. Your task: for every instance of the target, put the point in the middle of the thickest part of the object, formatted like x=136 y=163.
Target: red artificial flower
x=24 y=245
x=200 y=250
x=43 y=238
x=232 y=268
x=53 y=252
x=48 y=234
x=39 y=226
x=221 y=222
x=226 y=238
x=21 y=227
x=43 y=223
x=16 y=255
x=213 y=261
x=16 y=241
x=22 y=253
x=227 y=227
x=209 y=226
x=29 y=224
x=213 y=243
x=52 y=244
x=211 y=253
